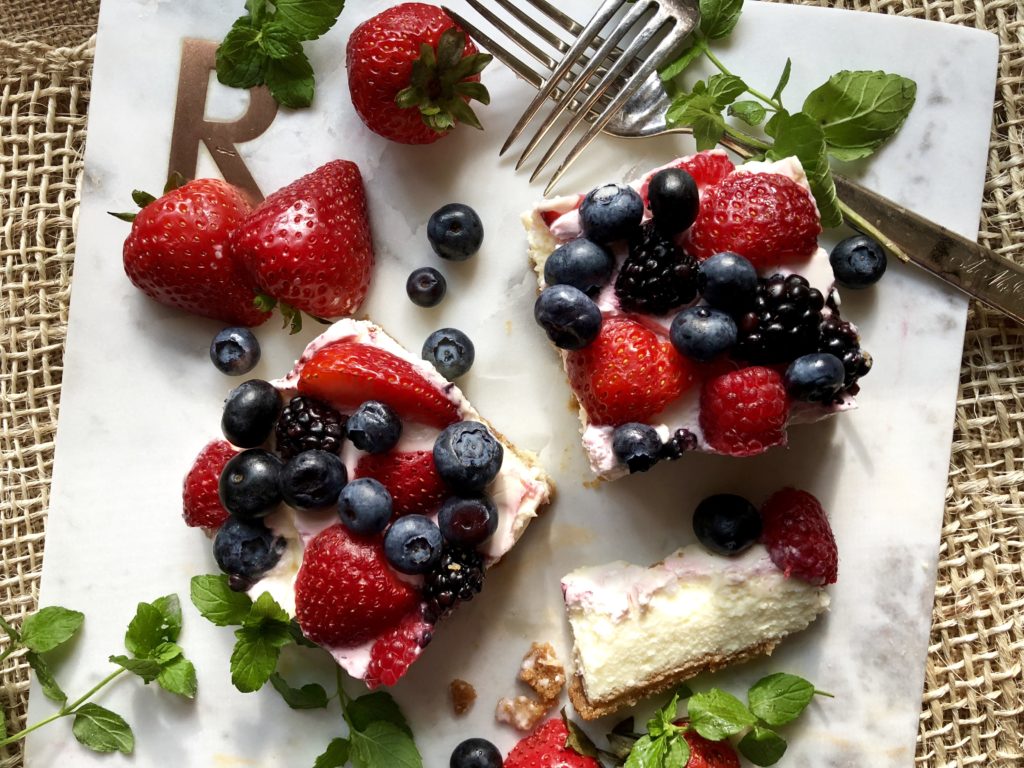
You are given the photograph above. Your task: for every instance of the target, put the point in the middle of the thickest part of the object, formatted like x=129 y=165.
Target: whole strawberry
x=200 y=500
x=744 y=412
x=411 y=73
x=798 y=537
x=308 y=246
x=545 y=748
x=177 y=252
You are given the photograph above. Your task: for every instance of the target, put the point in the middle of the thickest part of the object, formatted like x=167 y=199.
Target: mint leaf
x=719 y=17
x=255 y=655
x=762 y=746
x=257 y=10
x=240 y=62
x=647 y=753
x=3 y=725
x=661 y=722
x=102 y=730
x=750 y=112
x=217 y=602
x=783 y=81
x=298 y=637
x=170 y=607
x=291 y=81
x=384 y=744
x=178 y=676
x=278 y=42
x=311 y=696
x=717 y=715
x=148 y=629
x=50 y=628
x=378 y=706
x=44 y=675
x=780 y=698
x=724 y=89
x=308 y=19
x=771 y=128
x=859 y=111
x=335 y=756
x=678 y=752
x=265 y=610
x=147 y=669
x=677 y=67
x=800 y=135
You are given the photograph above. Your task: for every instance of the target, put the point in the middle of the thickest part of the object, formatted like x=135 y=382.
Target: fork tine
x=535 y=26
x=567 y=23
x=510 y=32
x=597 y=23
x=521 y=68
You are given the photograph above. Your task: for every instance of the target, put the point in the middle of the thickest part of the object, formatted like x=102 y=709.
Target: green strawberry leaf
x=290 y=81
x=762 y=746
x=310 y=696
x=308 y=19
x=780 y=698
x=383 y=744
x=142 y=198
x=101 y=730
x=50 y=628
x=717 y=715
x=335 y=756
x=217 y=602
x=577 y=739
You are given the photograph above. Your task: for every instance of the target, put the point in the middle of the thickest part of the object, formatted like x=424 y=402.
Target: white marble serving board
x=140 y=397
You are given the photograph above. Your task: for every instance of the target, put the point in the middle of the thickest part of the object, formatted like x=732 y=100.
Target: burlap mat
x=973 y=707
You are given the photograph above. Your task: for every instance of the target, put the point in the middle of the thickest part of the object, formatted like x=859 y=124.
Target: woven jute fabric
x=973 y=702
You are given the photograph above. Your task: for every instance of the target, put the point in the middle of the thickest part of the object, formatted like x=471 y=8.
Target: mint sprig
x=265 y=47
x=153 y=656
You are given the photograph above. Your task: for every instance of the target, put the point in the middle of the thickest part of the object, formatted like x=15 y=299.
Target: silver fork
x=962 y=263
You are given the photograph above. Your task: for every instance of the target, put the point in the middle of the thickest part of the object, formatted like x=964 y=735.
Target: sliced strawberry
x=545 y=748
x=393 y=654
x=744 y=412
x=707 y=169
x=629 y=373
x=347 y=374
x=411 y=478
x=798 y=537
x=201 y=505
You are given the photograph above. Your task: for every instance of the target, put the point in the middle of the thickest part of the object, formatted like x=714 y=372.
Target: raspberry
x=796 y=533
x=657 y=276
x=456 y=579
x=783 y=324
x=200 y=500
x=307 y=424
x=767 y=217
x=744 y=412
x=545 y=748
x=395 y=651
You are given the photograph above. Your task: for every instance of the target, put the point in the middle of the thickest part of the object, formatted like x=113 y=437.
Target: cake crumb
x=543 y=673
x=463 y=696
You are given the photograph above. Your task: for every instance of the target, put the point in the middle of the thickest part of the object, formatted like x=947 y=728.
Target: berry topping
x=457 y=577
x=703 y=333
x=413 y=544
x=250 y=484
x=426 y=287
x=450 y=351
x=638 y=446
x=200 y=499
x=707 y=168
x=657 y=276
x=250 y=411
x=783 y=323
x=817 y=377
x=455 y=232
x=348 y=373
x=307 y=424
x=767 y=217
x=411 y=478
x=727 y=281
x=365 y=506
x=235 y=351
x=673 y=199
x=475 y=753
x=799 y=538
x=468 y=521
x=840 y=339
x=393 y=653
x=374 y=427
x=245 y=551
x=345 y=594
x=568 y=316
x=609 y=213
x=581 y=263
x=726 y=524
x=628 y=373
x=744 y=412
x=467 y=457
x=682 y=441
x=313 y=480
x=545 y=748
x=705 y=753
x=858 y=262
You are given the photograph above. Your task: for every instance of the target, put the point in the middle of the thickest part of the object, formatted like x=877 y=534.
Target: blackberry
x=784 y=323
x=657 y=276
x=837 y=337
x=307 y=424
x=682 y=441
x=455 y=579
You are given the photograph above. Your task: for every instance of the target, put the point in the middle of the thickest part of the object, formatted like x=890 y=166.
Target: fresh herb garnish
x=265 y=47
x=155 y=656
x=378 y=734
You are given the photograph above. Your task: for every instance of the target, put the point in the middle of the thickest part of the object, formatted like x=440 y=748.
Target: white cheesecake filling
x=632 y=625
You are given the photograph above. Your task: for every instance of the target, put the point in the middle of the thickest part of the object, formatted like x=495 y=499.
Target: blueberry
x=365 y=506
x=235 y=351
x=413 y=544
x=455 y=232
x=580 y=263
x=468 y=521
x=249 y=485
x=450 y=351
x=467 y=457
x=817 y=377
x=374 y=427
x=250 y=411
x=246 y=550
x=726 y=524
x=612 y=212
x=426 y=287
x=727 y=281
x=858 y=262
x=702 y=333
x=476 y=753
x=313 y=479
x=568 y=316
x=638 y=446
x=674 y=200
